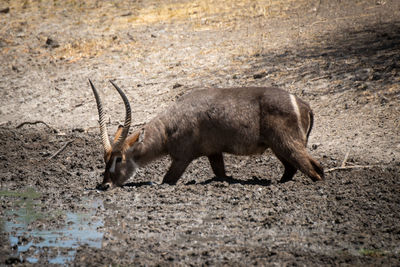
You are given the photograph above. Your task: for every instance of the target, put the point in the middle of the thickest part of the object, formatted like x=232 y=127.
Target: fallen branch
x=36 y=122
x=345 y=159
x=319 y=78
x=351 y=167
x=344 y=167
x=61 y=149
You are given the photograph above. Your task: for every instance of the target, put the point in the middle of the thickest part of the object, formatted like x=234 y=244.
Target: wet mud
x=58 y=217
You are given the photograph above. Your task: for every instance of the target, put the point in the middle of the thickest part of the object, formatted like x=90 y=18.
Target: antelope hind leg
x=299 y=158
x=290 y=171
x=307 y=165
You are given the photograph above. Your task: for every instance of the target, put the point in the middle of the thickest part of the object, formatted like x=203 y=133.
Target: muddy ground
x=341 y=56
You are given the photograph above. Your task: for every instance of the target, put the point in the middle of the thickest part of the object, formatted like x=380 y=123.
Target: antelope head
x=119 y=166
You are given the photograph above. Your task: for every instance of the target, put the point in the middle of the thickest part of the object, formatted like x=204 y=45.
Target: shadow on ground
x=366 y=59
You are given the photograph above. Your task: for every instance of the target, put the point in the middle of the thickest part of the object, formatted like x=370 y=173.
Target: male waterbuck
x=210 y=122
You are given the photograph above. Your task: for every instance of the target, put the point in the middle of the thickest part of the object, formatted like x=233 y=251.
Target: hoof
x=104 y=187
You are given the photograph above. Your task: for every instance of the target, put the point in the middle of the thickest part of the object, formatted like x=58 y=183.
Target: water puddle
x=56 y=246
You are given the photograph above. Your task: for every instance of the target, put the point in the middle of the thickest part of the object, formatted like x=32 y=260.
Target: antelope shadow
x=230 y=180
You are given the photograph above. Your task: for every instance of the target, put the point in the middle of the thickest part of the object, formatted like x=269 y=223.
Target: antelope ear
x=118 y=133
x=107 y=155
x=132 y=139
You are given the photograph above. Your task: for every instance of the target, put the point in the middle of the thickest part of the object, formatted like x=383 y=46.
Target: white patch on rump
x=297 y=112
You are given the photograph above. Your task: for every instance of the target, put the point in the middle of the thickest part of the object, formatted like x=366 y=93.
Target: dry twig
x=345 y=159
x=350 y=167
x=319 y=78
x=61 y=149
x=36 y=122
x=344 y=167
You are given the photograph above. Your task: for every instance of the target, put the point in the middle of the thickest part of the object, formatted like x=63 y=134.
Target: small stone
x=51 y=43
x=5 y=10
x=79 y=130
x=177 y=85
x=384 y=101
x=363 y=74
x=315 y=146
x=260 y=75
x=12 y=260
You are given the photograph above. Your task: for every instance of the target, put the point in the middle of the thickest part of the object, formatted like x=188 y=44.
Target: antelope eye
x=118 y=160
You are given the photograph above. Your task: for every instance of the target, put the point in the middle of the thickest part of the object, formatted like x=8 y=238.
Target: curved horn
x=102 y=121
x=128 y=118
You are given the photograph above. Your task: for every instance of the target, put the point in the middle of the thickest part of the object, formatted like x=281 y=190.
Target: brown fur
x=210 y=122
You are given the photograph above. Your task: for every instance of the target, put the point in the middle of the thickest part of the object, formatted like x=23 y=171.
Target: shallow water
x=59 y=244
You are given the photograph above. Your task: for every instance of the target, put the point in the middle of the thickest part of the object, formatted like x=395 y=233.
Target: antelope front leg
x=217 y=165
x=175 y=171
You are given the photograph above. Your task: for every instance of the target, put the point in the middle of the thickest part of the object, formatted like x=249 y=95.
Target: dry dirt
x=343 y=57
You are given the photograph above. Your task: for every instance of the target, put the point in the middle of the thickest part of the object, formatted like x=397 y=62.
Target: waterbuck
x=210 y=122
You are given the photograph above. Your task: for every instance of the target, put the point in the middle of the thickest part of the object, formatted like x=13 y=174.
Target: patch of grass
x=105 y=20
x=26 y=207
x=80 y=49
x=24 y=204
x=376 y=253
x=29 y=193
x=203 y=10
